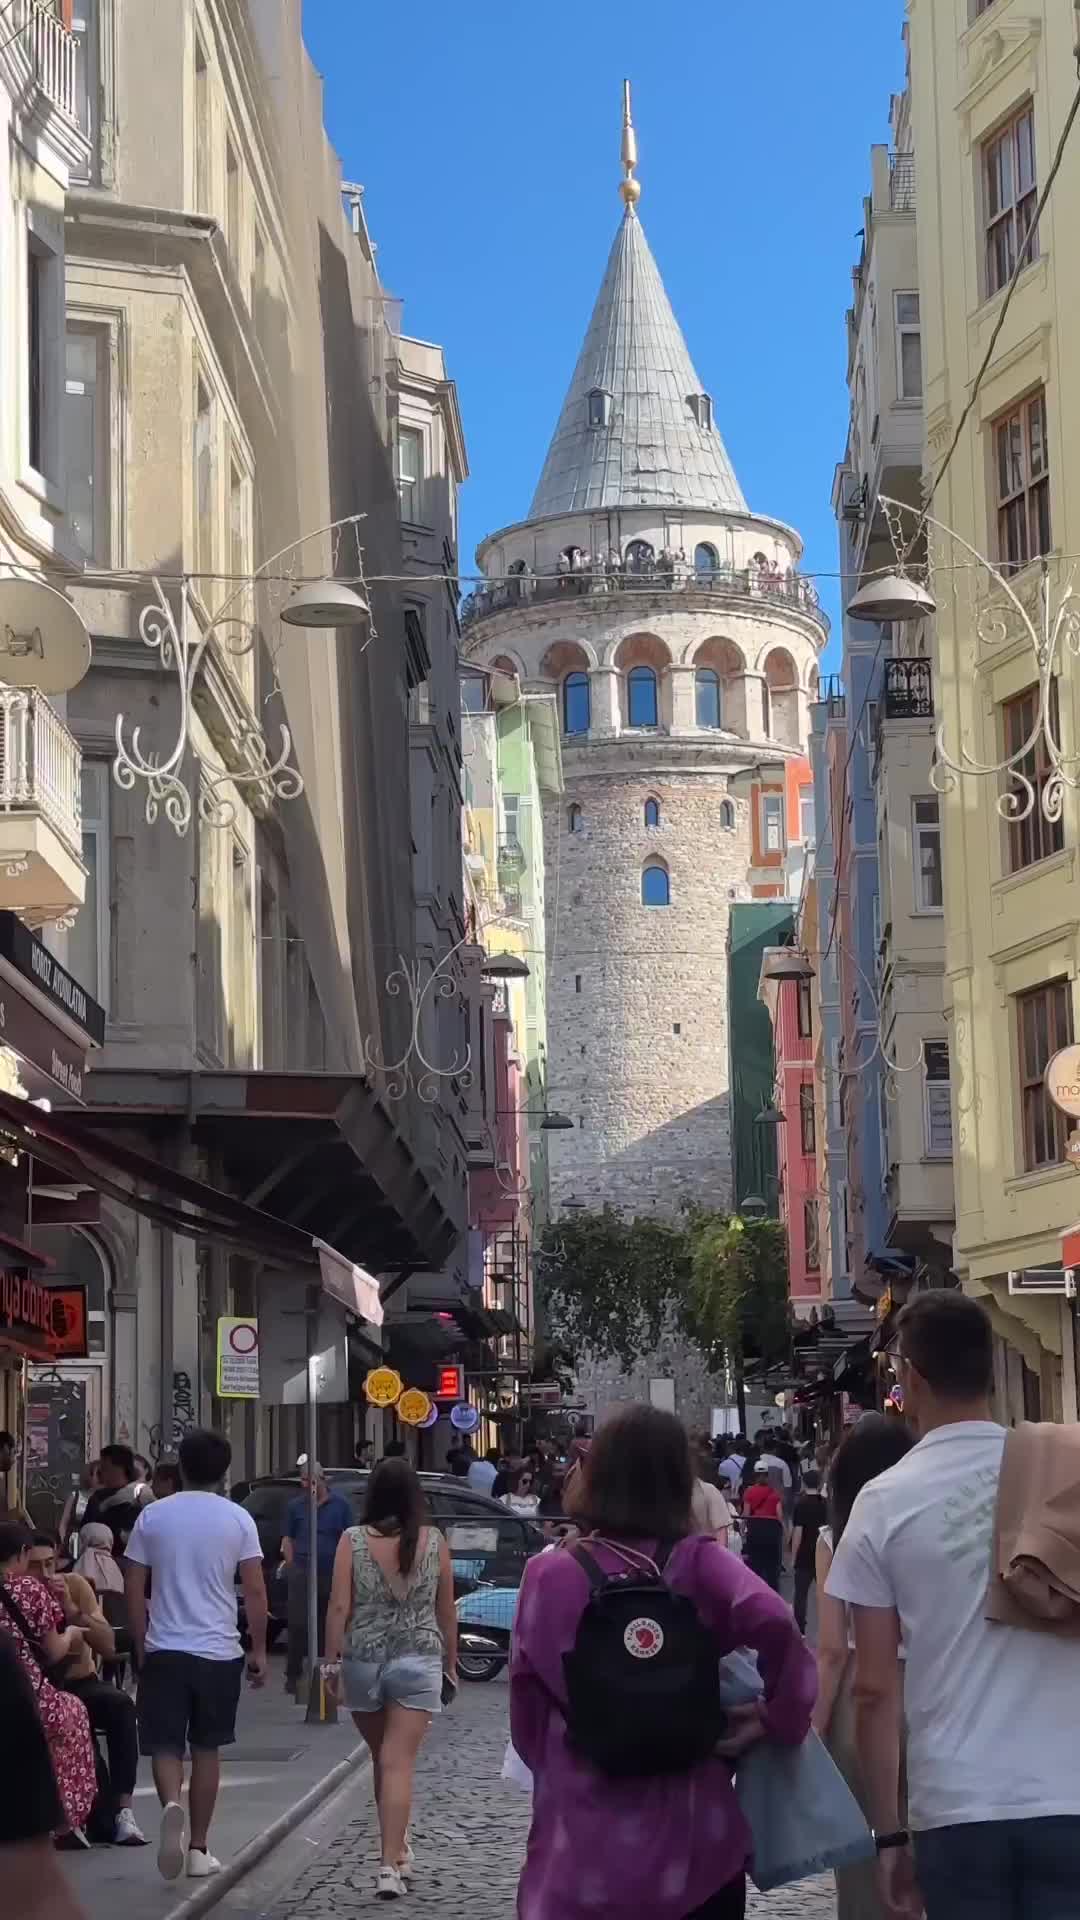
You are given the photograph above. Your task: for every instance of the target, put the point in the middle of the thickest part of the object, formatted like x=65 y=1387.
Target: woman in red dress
x=64 y=1718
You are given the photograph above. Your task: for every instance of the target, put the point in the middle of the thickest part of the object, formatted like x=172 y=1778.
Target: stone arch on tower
x=643 y=664
x=726 y=659
x=506 y=660
x=570 y=665
x=781 y=694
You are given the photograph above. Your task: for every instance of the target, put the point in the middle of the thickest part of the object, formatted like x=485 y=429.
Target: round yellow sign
x=383 y=1386
x=413 y=1407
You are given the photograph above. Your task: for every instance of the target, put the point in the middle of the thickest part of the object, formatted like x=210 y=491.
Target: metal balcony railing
x=902 y=182
x=909 y=690
x=511 y=856
x=720 y=582
x=52 y=51
x=40 y=764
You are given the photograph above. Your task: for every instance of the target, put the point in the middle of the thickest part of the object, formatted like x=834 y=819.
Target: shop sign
x=31 y=957
x=431 y=1418
x=1063 y=1081
x=450 y=1383
x=382 y=1387
x=51 y=1060
x=69 y=1325
x=26 y=1313
x=237 y=1357
x=466 y=1419
x=413 y=1407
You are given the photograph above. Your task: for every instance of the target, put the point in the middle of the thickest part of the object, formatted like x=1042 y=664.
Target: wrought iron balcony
x=721 y=582
x=511 y=858
x=42 y=876
x=52 y=50
x=909 y=690
x=902 y=182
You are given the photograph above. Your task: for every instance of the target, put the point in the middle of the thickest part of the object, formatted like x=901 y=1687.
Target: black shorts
x=185 y=1701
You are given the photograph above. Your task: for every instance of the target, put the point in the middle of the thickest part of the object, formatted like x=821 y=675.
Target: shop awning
x=320 y=1149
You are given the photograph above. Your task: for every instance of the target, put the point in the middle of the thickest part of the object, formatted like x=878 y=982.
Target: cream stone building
x=681 y=641
x=991 y=87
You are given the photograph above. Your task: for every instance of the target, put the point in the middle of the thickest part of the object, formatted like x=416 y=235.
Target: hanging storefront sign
x=413 y=1407
x=465 y=1418
x=31 y=958
x=383 y=1387
x=67 y=1310
x=237 y=1357
x=25 y=1314
x=450 y=1383
x=1063 y=1080
x=431 y=1418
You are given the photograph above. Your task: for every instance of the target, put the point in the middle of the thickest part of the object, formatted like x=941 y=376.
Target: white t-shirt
x=990 y=1710
x=193 y=1543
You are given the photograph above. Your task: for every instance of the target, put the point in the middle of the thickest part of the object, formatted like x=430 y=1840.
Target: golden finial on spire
x=629 y=188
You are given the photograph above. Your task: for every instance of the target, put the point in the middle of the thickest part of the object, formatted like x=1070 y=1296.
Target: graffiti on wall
x=183 y=1418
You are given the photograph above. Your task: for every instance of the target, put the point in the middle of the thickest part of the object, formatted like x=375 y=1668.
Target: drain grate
x=263 y=1756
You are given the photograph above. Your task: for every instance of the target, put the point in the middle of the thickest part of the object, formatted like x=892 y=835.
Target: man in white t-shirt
x=188 y=1653
x=993 y=1787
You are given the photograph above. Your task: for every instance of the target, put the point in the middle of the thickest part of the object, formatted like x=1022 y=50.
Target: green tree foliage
x=611 y=1285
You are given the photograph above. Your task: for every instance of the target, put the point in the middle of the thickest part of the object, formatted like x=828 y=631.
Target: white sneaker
x=201 y=1865
x=407 y=1865
x=389 y=1885
x=128 y=1832
x=173 y=1834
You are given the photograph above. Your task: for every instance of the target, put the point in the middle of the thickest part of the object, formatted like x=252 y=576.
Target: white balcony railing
x=40 y=765
x=52 y=52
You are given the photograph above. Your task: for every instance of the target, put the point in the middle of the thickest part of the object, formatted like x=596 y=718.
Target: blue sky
x=487 y=139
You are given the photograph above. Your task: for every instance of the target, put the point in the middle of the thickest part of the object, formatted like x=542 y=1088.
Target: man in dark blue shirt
x=332 y=1515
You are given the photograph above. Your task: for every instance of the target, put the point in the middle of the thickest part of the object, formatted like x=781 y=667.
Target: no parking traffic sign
x=237 y=1358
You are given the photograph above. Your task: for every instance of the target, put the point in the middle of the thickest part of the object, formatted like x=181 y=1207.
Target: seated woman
x=35 y=1624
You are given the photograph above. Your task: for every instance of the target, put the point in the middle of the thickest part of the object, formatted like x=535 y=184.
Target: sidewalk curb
x=214 y=1891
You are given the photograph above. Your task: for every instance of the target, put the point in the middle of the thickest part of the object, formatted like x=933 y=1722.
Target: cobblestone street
x=469 y=1832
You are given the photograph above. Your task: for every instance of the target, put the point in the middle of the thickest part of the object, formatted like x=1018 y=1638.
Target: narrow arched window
x=706 y=559
x=655 y=885
x=652 y=813
x=575 y=819
x=727 y=816
x=576 y=703
x=639 y=557
x=707 y=697
x=642 y=706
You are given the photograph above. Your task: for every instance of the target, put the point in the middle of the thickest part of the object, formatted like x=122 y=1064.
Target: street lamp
x=770 y=1116
x=891 y=596
x=787 y=963
x=753 y=1207
x=554 y=1122
x=505 y=966
x=326 y=603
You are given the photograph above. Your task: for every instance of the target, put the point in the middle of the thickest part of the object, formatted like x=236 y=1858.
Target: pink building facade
x=789 y=1001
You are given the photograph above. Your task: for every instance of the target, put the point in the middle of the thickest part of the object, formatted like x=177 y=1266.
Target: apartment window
x=804 y=1011
x=232 y=200
x=238 y=526
x=85 y=30
x=258 y=264
x=1011 y=194
x=203 y=474
x=937 y=1096
x=89 y=939
x=1022 y=476
x=86 y=439
x=926 y=834
x=810 y=1231
x=410 y=471
x=202 y=133
x=1034 y=838
x=35 y=396
x=807 y=1127
x=1044 y=1023
x=772 y=822
x=909 y=382
x=807 y=826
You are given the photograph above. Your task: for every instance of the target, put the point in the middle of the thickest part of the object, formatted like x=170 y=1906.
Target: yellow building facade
x=992 y=84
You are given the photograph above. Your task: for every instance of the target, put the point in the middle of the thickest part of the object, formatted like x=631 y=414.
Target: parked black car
x=487 y=1542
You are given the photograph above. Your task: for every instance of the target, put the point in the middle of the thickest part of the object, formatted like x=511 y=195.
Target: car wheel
x=474 y=1666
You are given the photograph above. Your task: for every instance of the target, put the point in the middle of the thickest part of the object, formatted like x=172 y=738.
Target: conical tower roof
x=655 y=444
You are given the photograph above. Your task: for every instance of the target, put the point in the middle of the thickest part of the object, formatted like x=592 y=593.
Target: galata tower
x=681 y=643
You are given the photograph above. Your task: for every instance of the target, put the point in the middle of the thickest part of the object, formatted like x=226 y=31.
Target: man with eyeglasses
x=990 y=1711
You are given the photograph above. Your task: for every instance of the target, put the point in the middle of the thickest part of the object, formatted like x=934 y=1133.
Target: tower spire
x=629 y=188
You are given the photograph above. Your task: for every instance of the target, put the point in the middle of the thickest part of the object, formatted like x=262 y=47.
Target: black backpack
x=643 y=1677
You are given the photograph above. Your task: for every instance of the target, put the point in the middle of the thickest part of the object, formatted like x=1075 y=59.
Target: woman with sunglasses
x=522 y=1497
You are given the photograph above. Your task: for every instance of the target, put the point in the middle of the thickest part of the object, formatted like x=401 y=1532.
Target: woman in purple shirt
x=670 y=1847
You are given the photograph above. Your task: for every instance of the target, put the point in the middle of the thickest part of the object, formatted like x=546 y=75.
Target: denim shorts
x=406 y=1680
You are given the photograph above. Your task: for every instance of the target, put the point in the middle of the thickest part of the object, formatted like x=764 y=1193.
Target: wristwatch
x=884 y=1842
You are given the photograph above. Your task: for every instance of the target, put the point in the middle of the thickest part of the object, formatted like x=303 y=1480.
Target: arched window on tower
x=700 y=406
x=642 y=705
x=575 y=819
x=639 y=557
x=599 y=407
x=706 y=560
x=707 y=697
x=727 y=816
x=576 y=702
x=655 y=885
x=652 y=813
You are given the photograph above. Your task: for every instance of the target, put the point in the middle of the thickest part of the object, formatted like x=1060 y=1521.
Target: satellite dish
x=43 y=642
